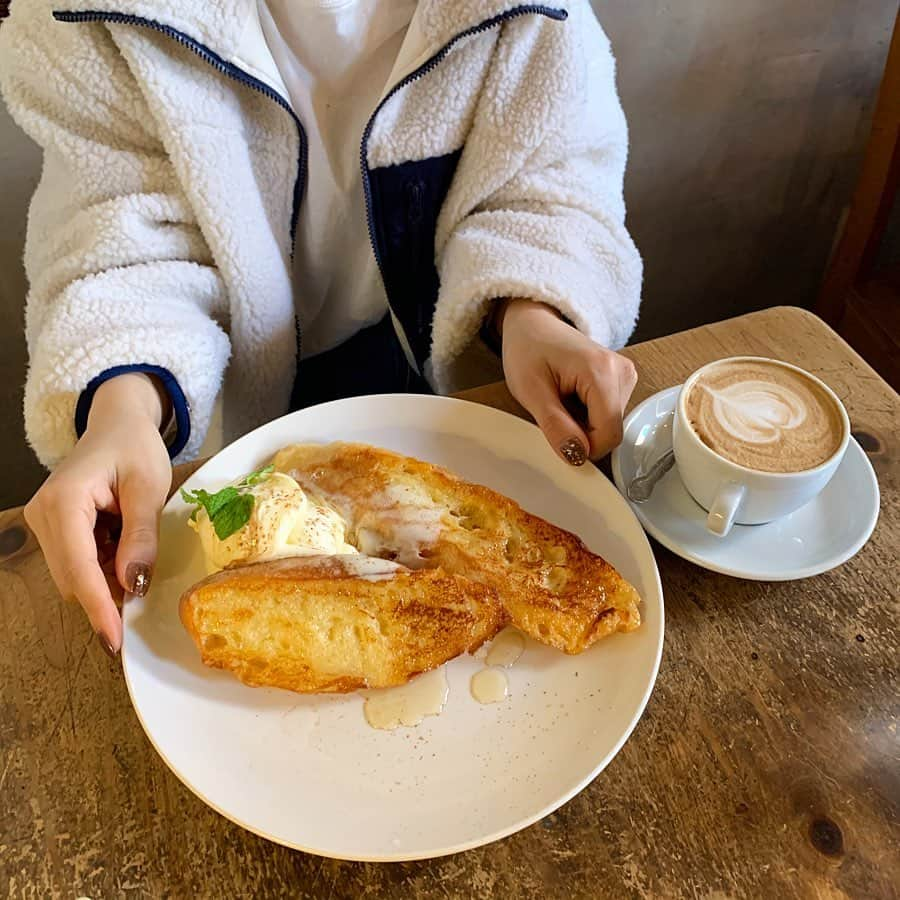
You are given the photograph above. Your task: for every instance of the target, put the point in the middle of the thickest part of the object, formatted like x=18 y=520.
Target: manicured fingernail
x=106 y=645
x=137 y=577
x=573 y=452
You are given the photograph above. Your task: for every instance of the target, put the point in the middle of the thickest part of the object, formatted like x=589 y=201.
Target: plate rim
x=484 y=840
x=797 y=574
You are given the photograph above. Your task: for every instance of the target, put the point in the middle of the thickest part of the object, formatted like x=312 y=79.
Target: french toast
x=396 y=507
x=334 y=624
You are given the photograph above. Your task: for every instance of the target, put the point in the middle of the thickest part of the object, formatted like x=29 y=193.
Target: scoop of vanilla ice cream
x=285 y=521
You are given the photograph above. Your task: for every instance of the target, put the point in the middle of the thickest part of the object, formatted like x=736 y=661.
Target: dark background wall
x=748 y=121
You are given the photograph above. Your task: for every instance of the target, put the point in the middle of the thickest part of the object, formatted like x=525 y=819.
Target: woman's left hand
x=546 y=360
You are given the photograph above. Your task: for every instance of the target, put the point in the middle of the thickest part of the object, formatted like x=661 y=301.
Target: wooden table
x=766 y=763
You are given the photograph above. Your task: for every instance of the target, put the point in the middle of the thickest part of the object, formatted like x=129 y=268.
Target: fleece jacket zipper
x=220 y=65
x=426 y=67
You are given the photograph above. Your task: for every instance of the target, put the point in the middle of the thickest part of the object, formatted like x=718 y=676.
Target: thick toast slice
x=550 y=584
x=334 y=624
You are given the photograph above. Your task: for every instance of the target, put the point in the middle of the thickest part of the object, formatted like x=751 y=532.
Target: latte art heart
x=757 y=412
x=764 y=416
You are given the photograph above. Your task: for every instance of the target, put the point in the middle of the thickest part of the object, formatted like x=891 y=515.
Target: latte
x=764 y=416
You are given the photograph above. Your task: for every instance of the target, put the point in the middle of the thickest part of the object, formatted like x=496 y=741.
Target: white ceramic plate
x=307 y=771
x=826 y=532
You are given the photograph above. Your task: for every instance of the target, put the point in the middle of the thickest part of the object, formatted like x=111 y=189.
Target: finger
x=604 y=422
x=115 y=589
x=112 y=582
x=628 y=379
x=540 y=396
x=605 y=394
x=106 y=535
x=604 y=419
x=72 y=558
x=140 y=504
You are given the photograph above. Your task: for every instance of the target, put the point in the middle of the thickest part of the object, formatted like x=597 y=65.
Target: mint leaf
x=232 y=516
x=229 y=509
x=258 y=475
x=212 y=503
x=220 y=500
x=192 y=497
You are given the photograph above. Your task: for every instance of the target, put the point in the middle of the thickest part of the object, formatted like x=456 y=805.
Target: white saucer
x=823 y=534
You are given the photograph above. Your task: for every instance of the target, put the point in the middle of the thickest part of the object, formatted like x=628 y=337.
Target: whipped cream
x=285 y=521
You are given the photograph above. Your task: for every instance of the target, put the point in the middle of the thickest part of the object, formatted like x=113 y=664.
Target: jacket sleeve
x=120 y=277
x=547 y=154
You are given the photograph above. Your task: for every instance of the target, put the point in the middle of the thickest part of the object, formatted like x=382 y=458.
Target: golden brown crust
x=550 y=584
x=315 y=624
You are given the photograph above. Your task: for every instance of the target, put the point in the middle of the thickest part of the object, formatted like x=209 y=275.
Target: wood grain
x=765 y=764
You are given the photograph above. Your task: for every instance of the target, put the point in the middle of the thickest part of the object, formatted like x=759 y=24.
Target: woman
x=413 y=191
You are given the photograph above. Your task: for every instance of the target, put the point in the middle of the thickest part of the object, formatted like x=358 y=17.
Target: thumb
x=140 y=508
x=541 y=398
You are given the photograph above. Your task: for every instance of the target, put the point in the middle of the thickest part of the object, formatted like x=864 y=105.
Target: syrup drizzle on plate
x=506 y=648
x=489 y=685
x=409 y=704
x=426 y=695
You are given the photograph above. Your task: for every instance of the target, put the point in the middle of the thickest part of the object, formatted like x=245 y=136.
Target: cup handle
x=724 y=508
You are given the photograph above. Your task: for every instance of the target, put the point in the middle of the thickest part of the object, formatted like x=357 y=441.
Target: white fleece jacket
x=160 y=232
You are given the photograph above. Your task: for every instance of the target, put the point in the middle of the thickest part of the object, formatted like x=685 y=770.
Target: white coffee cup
x=732 y=493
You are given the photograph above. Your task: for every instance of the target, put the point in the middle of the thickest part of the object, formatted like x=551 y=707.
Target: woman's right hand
x=119 y=466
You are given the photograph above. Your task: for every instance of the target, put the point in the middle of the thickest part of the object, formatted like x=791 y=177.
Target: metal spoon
x=641 y=487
